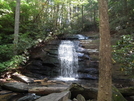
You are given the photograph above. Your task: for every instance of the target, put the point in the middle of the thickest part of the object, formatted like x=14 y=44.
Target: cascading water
x=68 y=59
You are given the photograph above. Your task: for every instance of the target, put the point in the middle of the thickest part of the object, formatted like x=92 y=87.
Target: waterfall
x=68 y=59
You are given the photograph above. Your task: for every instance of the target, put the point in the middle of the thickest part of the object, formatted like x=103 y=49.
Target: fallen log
x=45 y=81
x=47 y=90
x=22 y=78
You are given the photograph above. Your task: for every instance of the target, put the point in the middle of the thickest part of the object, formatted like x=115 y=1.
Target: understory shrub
x=123 y=53
x=14 y=62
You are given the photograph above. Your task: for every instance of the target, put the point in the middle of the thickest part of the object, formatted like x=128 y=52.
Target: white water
x=68 y=59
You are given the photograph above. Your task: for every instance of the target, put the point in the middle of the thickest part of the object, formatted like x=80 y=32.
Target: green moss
x=117 y=96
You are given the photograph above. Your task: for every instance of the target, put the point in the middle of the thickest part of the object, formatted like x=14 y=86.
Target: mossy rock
x=117 y=96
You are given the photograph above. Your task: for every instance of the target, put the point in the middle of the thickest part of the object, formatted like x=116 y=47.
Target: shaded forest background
x=42 y=20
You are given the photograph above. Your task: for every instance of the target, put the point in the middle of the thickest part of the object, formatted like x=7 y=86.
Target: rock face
x=45 y=63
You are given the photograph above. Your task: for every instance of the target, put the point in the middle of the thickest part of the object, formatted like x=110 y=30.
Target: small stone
x=80 y=97
x=75 y=99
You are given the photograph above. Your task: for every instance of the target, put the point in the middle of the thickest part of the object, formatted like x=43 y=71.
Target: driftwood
x=47 y=90
x=45 y=81
x=22 y=78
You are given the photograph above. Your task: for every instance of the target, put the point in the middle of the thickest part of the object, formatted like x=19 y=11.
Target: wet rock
x=16 y=86
x=82 y=50
x=74 y=37
x=37 y=62
x=51 y=60
x=49 y=64
x=44 y=68
x=83 y=56
x=87 y=76
x=89 y=70
x=53 y=52
x=29 y=97
x=93 y=51
x=81 y=37
x=63 y=96
x=94 y=64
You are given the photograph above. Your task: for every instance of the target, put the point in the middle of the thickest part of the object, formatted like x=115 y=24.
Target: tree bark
x=105 y=67
x=16 y=28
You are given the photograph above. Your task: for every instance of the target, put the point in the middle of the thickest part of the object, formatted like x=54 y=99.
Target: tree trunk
x=82 y=10
x=16 y=28
x=105 y=67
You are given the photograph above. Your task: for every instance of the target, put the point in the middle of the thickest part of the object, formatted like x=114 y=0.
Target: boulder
x=63 y=96
x=87 y=93
x=91 y=92
x=16 y=87
x=29 y=97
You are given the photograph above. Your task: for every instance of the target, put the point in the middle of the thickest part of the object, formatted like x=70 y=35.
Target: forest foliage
x=39 y=18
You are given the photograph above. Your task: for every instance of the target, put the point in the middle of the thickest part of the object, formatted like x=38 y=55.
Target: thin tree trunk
x=82 y=9
x=105 y=67
x=16 y=28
